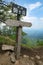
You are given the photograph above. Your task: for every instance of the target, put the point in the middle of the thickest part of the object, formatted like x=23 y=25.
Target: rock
x=40 y=62
x=27 y=63
x=17 y=63
x=12 y=58
x=7 y=53
x=7 y=47
x=25 y=56
x=31 y=62
x=37 y=57
x=32 y=58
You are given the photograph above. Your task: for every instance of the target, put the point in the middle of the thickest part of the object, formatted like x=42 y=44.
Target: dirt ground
x=28 y=57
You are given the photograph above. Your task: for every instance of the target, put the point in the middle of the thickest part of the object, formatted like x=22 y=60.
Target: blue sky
x=34 y=12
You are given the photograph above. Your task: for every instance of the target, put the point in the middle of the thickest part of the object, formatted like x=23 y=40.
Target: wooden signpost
x=19 y=26
x=19 y=10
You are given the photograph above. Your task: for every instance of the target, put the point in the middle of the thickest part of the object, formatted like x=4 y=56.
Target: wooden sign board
x=17 y=9
x=16 y=23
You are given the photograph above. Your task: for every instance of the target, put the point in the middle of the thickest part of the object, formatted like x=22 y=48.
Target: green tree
x=6 y=11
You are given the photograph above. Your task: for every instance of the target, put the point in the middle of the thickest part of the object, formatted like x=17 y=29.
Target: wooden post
x=18 y=41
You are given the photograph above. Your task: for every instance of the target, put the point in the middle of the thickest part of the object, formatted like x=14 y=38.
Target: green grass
x=11 y=41
x=39 y=42
x=29 y=43
x=6 y=40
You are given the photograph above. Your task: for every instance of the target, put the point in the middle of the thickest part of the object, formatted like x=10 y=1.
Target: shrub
x=40 y=42
x=6 y=40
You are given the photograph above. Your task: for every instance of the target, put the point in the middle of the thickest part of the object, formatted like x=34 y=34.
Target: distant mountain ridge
x=37 y=34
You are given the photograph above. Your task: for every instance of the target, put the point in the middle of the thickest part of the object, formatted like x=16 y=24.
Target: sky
x=34 y=12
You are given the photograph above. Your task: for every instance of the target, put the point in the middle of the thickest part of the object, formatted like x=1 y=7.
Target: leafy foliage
x=6 y=40
x=39 y=42
x=6 y=11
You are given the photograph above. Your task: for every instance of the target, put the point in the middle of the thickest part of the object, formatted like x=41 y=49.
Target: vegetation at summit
x=8 y=34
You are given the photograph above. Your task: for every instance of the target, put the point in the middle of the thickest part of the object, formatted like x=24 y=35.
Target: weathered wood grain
x=16 y=23
x=18 y=41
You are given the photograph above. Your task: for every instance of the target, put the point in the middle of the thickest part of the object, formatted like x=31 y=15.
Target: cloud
x=32 y=6
x=29 y=19
x=36 y=22
x=41 y=19
x=35 y=5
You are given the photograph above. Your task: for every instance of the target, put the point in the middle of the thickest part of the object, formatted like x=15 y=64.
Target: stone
x=31 y=62
x=7 y=47
x=27 y=63
x=40 y=62
x=37 y=57
x=25 y=56
x=32 y=58
x=12 y=58
x=17 y=63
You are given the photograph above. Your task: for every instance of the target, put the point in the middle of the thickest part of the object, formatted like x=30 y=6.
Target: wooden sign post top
x=19 y=26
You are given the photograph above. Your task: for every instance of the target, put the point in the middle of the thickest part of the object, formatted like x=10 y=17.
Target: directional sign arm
x=25 y=24
x=17 y=23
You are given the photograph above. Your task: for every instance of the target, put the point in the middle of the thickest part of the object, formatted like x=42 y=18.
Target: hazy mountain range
x=34 y=34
